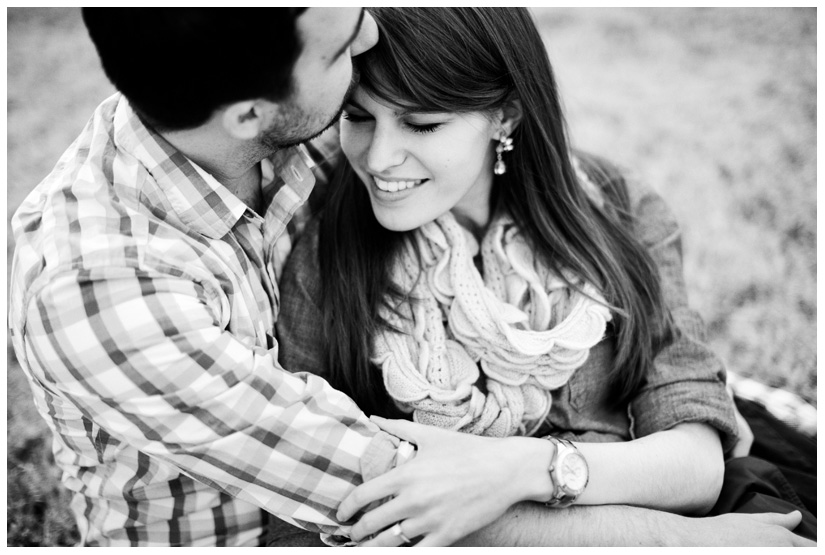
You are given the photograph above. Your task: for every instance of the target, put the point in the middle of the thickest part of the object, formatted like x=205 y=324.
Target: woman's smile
x=390 y=191
x=393 y=185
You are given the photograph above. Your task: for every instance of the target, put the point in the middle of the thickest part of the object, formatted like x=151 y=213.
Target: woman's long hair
x=476 y=60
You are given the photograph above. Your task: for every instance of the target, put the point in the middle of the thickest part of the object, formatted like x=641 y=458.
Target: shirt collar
x=200 y=201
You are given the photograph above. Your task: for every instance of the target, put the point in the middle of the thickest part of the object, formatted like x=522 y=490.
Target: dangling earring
x=505 y=144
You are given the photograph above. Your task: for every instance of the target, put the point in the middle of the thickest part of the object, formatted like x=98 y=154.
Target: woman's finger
x=433 y=540
x=380 y=487
x=379 y=518
x=410 y=530
x=400 y=428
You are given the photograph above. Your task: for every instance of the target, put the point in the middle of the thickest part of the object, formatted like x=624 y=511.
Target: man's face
x=322 y=74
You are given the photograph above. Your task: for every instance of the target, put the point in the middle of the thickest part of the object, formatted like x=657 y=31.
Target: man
x=144 y=289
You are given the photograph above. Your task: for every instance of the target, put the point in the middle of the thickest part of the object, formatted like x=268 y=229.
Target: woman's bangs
x=385 y=81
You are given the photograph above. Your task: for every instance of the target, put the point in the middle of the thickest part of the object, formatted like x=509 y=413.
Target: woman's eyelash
x=424 y=127
x=354 y=117
x=414 y=127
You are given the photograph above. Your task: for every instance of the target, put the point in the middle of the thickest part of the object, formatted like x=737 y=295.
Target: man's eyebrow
x=351 y=39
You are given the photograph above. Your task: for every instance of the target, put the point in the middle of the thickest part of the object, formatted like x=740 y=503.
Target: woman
x=470 y=272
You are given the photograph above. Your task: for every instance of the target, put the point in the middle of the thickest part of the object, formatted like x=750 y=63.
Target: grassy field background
x=716 y=108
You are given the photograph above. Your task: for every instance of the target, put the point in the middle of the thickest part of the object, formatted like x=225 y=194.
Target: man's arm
x=148 y=359
x=530 y=524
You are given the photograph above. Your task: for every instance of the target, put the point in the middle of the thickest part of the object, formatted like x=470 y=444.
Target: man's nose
x=367 y=35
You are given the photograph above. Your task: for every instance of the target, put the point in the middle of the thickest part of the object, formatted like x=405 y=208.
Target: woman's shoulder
x=305 y=249
x=629 y=197
x=619 y=184
x=302 y=269
x=299 y=322
x=599 y=169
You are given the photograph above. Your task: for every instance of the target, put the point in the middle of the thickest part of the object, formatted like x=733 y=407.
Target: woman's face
x=420 y=165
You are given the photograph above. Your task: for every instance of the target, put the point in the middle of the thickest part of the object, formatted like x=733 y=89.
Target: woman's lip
x=391 y=179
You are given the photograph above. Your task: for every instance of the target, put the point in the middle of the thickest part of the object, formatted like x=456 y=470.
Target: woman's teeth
x=393 y=186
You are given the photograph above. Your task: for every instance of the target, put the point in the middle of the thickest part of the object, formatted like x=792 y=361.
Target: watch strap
x=561 y=498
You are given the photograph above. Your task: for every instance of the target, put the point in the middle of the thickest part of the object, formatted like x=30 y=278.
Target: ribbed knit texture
x=482 y=354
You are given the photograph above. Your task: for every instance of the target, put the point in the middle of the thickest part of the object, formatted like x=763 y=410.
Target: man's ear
x=244 y=120
x=511 y=116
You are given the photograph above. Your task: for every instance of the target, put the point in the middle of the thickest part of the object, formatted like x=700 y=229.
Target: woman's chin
x=394 y=225
x=399 y=222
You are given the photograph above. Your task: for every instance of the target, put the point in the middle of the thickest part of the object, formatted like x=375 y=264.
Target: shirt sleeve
x=145 y=356
x=687 y=381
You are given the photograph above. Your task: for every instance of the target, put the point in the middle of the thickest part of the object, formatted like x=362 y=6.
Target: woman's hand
x=456 y=484
x=742 y=448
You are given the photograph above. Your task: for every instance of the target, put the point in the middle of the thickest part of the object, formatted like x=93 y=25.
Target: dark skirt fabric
x=793 y=452
x=779 y=476
x=283 y=534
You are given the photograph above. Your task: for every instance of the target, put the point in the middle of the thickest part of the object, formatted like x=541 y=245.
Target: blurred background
x=715 y=108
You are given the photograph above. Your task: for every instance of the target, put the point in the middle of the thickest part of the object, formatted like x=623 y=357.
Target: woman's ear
x=244 y=120
x=511 y=116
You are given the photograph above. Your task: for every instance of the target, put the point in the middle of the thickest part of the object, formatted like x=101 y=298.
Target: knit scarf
x=483 y=354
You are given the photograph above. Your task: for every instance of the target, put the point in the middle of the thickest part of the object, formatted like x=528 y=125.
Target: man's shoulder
x=86 y=165
x=86 y=206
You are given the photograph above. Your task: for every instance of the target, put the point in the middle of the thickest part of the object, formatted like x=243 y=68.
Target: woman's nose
x=386 y=151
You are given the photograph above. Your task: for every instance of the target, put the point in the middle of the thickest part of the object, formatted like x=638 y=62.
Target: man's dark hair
x=178 y=65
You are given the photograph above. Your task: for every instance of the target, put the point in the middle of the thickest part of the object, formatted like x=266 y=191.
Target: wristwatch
x=569 y=473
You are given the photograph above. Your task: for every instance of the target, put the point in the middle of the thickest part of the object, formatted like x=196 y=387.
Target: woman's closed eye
x=356 y=118
x=422 y=127
x=359 y=117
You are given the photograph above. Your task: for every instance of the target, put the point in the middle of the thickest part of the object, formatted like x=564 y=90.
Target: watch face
x=574 y=470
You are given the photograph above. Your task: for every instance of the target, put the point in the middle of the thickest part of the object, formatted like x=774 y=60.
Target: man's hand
x=530 y=525
x=456 y=484
x=739 y=529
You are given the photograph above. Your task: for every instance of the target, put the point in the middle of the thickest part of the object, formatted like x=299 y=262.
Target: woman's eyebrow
x=399 y=113
x=417 y=112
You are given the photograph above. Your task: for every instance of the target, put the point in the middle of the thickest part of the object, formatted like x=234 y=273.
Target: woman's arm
x=687 y=379
x=679 y=470
x=682 y=417
x=479 y=499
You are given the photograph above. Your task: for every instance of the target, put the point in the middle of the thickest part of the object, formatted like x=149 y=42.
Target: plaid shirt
x=142 y=305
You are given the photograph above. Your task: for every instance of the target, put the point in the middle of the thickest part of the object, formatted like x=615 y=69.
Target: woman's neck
x=474 y=211
x=475 y=225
